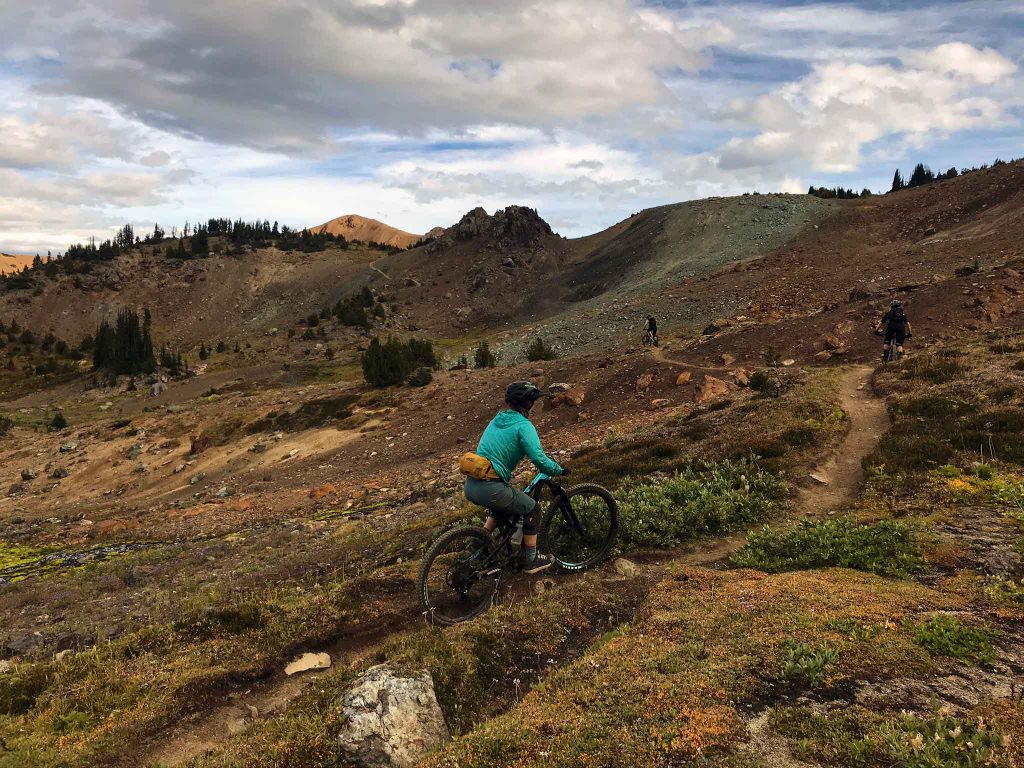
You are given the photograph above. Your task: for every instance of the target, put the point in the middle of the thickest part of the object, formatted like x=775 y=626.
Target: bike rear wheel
x=581 y=536
x=459 y=575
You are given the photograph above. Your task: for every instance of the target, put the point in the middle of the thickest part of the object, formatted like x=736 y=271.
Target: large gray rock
x=391 y=721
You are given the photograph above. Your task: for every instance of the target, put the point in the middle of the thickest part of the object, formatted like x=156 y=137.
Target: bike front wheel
x=459 y=575
x=580 y=532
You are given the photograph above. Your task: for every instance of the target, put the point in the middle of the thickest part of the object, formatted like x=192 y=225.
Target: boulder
x=710 y=389
x=626 y=568
x=391 y=721
x=832 y=342
x=683 y=378
x=644 y=382
x=716 y=325
x=661 y=402
x=22 y=645
x=727 y=359
x=740 y=378
x=573 y=396
x=59 y=473
x=28 y=474
x=823 y=356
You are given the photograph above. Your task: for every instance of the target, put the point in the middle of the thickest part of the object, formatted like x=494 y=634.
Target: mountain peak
x=352 y=226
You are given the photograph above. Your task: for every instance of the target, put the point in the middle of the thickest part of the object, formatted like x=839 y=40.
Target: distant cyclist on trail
x=508 y=438
x=651 y=331
x=896 y=326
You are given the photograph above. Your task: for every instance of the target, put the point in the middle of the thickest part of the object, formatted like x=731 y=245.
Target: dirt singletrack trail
x=658 y=353
x=829 y=486
x=836 y=482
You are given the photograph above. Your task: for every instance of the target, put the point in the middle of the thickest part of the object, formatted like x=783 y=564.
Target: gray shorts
x=498 y=497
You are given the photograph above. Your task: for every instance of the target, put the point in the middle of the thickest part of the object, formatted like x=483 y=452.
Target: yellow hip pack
x=476 y=466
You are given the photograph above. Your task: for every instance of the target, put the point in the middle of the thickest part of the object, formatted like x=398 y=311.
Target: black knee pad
x=532 y=521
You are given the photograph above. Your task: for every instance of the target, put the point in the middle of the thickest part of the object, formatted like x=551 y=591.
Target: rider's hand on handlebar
x=565 y=472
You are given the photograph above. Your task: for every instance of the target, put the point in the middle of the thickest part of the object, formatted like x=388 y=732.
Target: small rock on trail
x=307 y=662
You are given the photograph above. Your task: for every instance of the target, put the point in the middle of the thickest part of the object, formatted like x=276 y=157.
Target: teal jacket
x=508 y=438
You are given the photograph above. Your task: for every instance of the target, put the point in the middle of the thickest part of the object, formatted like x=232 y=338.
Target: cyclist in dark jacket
x=896 y=325
x=651 y=331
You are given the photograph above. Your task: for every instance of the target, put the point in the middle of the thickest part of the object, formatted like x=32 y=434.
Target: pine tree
x=200 y=242
x=483 y=357
x=538 y=350
x=897 y=181
x=922 y=175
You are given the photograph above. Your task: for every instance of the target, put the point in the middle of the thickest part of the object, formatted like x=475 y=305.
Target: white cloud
x=827 y=117
x=960 y=59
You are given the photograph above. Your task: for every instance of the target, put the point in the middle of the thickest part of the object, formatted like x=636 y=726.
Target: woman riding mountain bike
x=509 y=438
x=460 y=571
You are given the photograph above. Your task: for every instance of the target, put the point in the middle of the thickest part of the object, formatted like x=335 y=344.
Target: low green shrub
x=860 y=738
x=932 y=368
x=808 y=666
x=944 y=741
x=699 y=498
x=886 y=547
x=948 y=636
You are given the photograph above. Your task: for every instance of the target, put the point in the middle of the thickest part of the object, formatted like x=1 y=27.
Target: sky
x=416 y=111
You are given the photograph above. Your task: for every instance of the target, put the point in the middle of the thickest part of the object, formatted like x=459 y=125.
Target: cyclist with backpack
x=651 y=331
x=896 y=326
x=509 y=438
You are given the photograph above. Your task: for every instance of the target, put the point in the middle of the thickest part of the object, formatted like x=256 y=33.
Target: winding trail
x=831 y=485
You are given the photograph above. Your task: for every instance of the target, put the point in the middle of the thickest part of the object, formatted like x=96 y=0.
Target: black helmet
x=521 y=394
x=896 y=303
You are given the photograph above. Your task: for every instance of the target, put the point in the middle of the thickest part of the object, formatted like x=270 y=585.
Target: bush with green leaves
x=701 y=498
x=58 y=422
x=948 y=636
x=483 y=357
x=538 y=350
x=808 y=666
x=421 y=377
x=886 y=547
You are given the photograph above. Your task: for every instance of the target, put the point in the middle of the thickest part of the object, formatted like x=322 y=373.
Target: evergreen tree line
x=922 y=175
x=126 y=346
x=831 y=193
x=397 y=362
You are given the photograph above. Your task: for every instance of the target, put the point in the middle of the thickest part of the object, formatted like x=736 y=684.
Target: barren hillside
x=14 y=263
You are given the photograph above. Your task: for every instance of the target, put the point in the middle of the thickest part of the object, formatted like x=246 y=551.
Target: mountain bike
x=461 y=570
x=650 y=339
x=893 y=354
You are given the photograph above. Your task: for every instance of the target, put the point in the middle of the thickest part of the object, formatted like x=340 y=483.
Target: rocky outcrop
x=508 y=229
x=391 y=721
